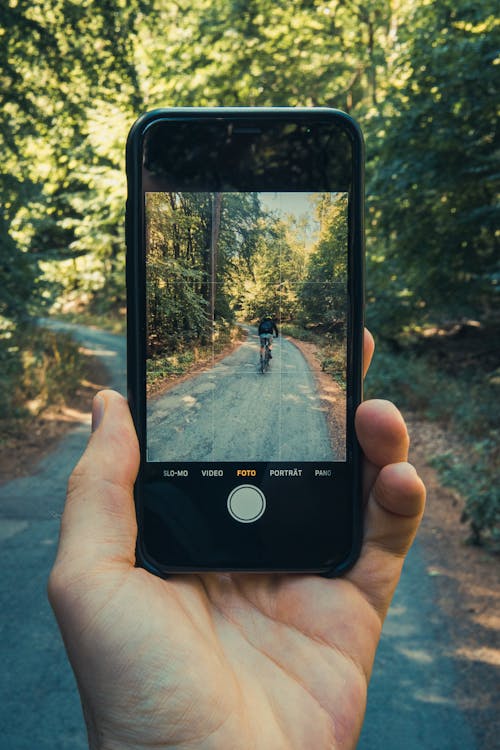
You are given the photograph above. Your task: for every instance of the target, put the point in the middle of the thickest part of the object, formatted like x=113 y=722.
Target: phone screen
x=232 y=278
x=245 y=323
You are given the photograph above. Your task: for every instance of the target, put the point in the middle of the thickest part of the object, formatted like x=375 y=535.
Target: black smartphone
x=245 y=324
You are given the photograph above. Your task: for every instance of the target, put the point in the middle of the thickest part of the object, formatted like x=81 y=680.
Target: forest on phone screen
x=421 y=77
x=218 y=260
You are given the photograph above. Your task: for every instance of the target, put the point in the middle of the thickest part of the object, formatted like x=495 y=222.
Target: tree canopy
x=262 y=263
x=421 y=77
x=435 y=168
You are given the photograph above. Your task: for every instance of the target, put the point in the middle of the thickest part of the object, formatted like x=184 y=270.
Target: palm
x=223 y=661
x=230 y=661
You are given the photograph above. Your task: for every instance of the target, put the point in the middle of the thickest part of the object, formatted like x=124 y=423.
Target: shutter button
x=246 y=503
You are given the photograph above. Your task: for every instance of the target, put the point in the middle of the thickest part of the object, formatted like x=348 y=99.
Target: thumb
x=98 y=524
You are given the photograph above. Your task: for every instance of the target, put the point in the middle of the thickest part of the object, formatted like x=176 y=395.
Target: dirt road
x=234 y=412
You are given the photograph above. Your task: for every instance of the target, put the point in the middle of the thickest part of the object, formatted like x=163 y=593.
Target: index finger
x=368 y=349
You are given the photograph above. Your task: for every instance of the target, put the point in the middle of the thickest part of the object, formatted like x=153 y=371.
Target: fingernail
x=97 y=411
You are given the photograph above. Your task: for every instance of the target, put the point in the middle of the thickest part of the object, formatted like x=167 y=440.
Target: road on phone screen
x=233 y=412
x=411 y=696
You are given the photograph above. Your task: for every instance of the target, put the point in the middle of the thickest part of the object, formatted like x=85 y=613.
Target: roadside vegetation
x=452 y=377
x=43 y=370
x=169 y=366
x=421 y=78
x=330 y=346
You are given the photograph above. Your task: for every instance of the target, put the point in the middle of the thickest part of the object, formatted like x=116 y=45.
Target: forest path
x=233 y=412
x=410 y=701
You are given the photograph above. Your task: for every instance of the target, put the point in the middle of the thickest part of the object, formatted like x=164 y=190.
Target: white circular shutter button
x=246 y=503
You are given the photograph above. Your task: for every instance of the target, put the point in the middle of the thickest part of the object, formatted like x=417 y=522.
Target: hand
x=270 y=662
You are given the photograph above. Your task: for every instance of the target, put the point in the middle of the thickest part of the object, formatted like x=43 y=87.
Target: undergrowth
x=38 y=368
x=164 y=367
x=465 y=400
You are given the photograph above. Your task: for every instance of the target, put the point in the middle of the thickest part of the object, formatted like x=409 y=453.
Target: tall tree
x=323 y=293
x=66 y=70
x=435 y=177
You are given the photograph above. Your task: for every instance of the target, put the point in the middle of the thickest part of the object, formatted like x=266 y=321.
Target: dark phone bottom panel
x=249 y=517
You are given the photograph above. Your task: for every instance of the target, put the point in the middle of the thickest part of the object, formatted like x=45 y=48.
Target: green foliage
x=61 y=65
x=333 y=359
x=165 y=366
x=435 y=170
x=323 y=292
x=299 y=332
x=475 y=477
x=38 y=369
x=270 y=285
x=76 y=75
x=19 y=273
x=236 y=52
x=189 y=274
x=67 y=96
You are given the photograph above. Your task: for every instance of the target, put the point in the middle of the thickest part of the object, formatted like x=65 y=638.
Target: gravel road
x=233 y=412
x=410 y=702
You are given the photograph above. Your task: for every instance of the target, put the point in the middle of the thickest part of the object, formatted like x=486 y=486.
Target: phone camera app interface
x=246 y=306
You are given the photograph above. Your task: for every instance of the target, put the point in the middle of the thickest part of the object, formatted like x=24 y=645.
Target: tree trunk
x=214 y=242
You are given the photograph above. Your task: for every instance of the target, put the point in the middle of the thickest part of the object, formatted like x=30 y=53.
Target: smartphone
x=245 y=323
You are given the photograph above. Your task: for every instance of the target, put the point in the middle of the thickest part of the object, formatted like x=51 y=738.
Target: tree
x=242 y=52
x=65 y=69
x=435 y=175
x=197 y=241
x=323 y=293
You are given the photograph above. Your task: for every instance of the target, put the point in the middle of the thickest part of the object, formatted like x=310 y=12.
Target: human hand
x=270 y=662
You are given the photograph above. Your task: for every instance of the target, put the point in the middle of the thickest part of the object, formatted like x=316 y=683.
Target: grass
x=172 y=365
x=38 y=368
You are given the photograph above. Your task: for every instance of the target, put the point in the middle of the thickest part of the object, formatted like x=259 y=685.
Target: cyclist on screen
x=267 y=327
